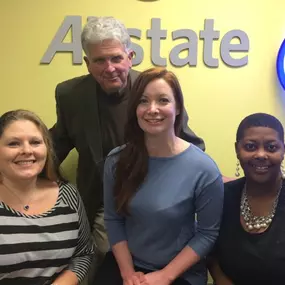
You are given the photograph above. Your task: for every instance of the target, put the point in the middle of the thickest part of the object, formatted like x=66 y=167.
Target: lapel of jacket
x=90 y=116
x=90 y=119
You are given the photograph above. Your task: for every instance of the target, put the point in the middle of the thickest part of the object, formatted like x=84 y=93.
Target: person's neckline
x=172 y=156
x=38 y=215
x=259 y=234
x=114 y=97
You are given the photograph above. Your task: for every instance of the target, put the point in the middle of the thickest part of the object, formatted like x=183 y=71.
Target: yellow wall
x=216 y=99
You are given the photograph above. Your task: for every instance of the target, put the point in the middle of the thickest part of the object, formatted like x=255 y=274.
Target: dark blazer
x=78 y=126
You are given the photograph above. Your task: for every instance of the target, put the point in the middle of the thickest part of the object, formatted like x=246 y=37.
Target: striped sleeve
x=84 y=252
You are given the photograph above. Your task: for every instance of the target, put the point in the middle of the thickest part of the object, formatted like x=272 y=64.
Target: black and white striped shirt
x=35 y=249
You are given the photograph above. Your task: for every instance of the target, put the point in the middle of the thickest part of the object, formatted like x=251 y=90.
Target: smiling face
x=23 y=152
x=260 y=152
x=109 y=63
x=157 y=109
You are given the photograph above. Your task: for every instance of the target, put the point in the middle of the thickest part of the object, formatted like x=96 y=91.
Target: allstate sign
x=280 y=64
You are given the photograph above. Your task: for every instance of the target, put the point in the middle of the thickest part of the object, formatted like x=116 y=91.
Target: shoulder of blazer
x=133 y=76
x=74 y=85
x=233 y=191
x=235 y=184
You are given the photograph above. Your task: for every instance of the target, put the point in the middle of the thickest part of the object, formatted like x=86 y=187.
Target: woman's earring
x=237 y=174
x=282 y=170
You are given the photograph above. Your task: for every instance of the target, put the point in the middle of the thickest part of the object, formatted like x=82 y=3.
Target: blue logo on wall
x=280 y=65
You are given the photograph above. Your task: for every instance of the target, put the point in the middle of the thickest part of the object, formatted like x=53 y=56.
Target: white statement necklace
x=253 y=222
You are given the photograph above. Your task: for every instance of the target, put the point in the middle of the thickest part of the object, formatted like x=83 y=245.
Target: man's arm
x=188 y=135
x=62 y=142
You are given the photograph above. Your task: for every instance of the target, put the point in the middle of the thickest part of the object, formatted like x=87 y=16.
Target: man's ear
x=131 y=54
x=87 y=62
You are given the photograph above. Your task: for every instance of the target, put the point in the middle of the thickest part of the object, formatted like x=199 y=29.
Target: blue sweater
x=162 y=212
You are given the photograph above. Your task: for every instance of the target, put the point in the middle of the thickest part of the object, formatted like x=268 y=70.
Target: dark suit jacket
x=78 y=126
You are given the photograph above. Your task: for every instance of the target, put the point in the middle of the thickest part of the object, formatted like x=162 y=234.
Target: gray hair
x=98 y=29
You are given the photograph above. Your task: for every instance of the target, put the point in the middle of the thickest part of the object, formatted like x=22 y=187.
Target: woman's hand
x=156 y=278
x=135 y=278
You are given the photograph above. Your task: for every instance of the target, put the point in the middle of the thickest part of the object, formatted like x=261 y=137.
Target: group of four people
x=163 y=196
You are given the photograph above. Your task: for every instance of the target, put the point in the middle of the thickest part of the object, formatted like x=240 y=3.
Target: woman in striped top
x=44 y=232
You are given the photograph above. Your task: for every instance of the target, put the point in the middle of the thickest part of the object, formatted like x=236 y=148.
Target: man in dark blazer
x=91 y=112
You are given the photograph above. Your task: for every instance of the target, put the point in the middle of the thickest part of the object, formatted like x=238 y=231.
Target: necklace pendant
x=26 y=207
